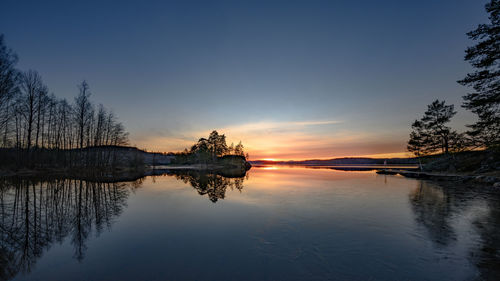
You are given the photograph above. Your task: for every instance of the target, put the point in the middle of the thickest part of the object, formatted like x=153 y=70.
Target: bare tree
x=31 y=85
x=9 y=78
x=31 y=118
x=82 y=111
x=41 y=100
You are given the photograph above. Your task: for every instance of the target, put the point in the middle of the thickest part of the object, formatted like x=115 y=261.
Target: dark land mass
x=106 y=163
x=469 y=162
x=474 y=167
x=124 y=175
x=473 y=162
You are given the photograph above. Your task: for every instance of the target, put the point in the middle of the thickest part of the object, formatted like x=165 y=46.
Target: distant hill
x=340 y=161
x=118 y=155
x=126 y=154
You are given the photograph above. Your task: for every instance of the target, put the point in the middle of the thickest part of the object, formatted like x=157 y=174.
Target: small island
x=210 y=153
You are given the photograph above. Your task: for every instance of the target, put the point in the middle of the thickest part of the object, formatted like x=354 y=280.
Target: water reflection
x=34 y=214
x=487 y=255
x=214 y=185
x=433 y=209
x=347 y=168
x=437 y=207
x=288 y=223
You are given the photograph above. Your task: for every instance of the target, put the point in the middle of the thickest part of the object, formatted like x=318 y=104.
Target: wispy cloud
x=270 y=125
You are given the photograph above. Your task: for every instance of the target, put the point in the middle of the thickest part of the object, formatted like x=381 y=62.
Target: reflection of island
x=35 y=214
x=436 y=205
x=212 y=184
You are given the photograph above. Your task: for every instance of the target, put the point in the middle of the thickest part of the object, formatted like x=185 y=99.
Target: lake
x=275 y=223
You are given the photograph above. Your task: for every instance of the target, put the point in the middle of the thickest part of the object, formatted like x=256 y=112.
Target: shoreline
x=119 y=173
x=483 y=179
x=131 y=174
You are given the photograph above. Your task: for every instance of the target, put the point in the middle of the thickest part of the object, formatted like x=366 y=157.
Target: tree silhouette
x=31 y=86
x=41 y=130
x=418 y=141
x=485 y=80
x=238 y=149
x=430 y=133
x=83 y=110
x=217 y=144
x=9 y=88
x=434 y=120
x=212 y=150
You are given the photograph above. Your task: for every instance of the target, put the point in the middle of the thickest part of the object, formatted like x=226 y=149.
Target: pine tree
x=238 y=149
x=434 y=121
x=418 y=143
x=485 y=80
x=430 y=134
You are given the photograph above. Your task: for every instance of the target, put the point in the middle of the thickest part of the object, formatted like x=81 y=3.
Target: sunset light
x=250 y=140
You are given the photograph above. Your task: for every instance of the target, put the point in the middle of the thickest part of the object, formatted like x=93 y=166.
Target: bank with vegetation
x=475 y=152
x=212 y=153
x=41 y=133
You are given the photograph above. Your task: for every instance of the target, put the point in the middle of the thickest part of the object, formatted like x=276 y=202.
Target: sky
x=290 y=79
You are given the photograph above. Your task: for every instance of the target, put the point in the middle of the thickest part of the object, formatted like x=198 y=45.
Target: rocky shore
x=493 y=181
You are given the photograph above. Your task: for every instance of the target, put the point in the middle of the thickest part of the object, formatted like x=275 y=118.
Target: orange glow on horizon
x=303 y=158
x=285 y=141
x=269 y=168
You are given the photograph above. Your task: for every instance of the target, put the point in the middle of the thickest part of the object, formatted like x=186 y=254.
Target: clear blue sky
x=329 y=78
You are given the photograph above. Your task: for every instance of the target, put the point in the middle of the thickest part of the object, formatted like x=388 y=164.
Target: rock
x=482 y=169
x=486 y=179
x=496 y=185
x=491 y=180
x=452 y=168
x=467 y=178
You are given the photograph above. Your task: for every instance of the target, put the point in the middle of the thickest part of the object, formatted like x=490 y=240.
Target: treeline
x=36 y=127
x=210 y=150
x=431 y=135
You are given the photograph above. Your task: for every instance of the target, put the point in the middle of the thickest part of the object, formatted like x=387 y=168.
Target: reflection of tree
x=434 y=205
x=214 y=185
x=432 y=208
x=34 y=214
x=486 y=256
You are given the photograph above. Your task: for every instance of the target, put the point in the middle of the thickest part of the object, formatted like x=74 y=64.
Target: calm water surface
x=273 y=224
